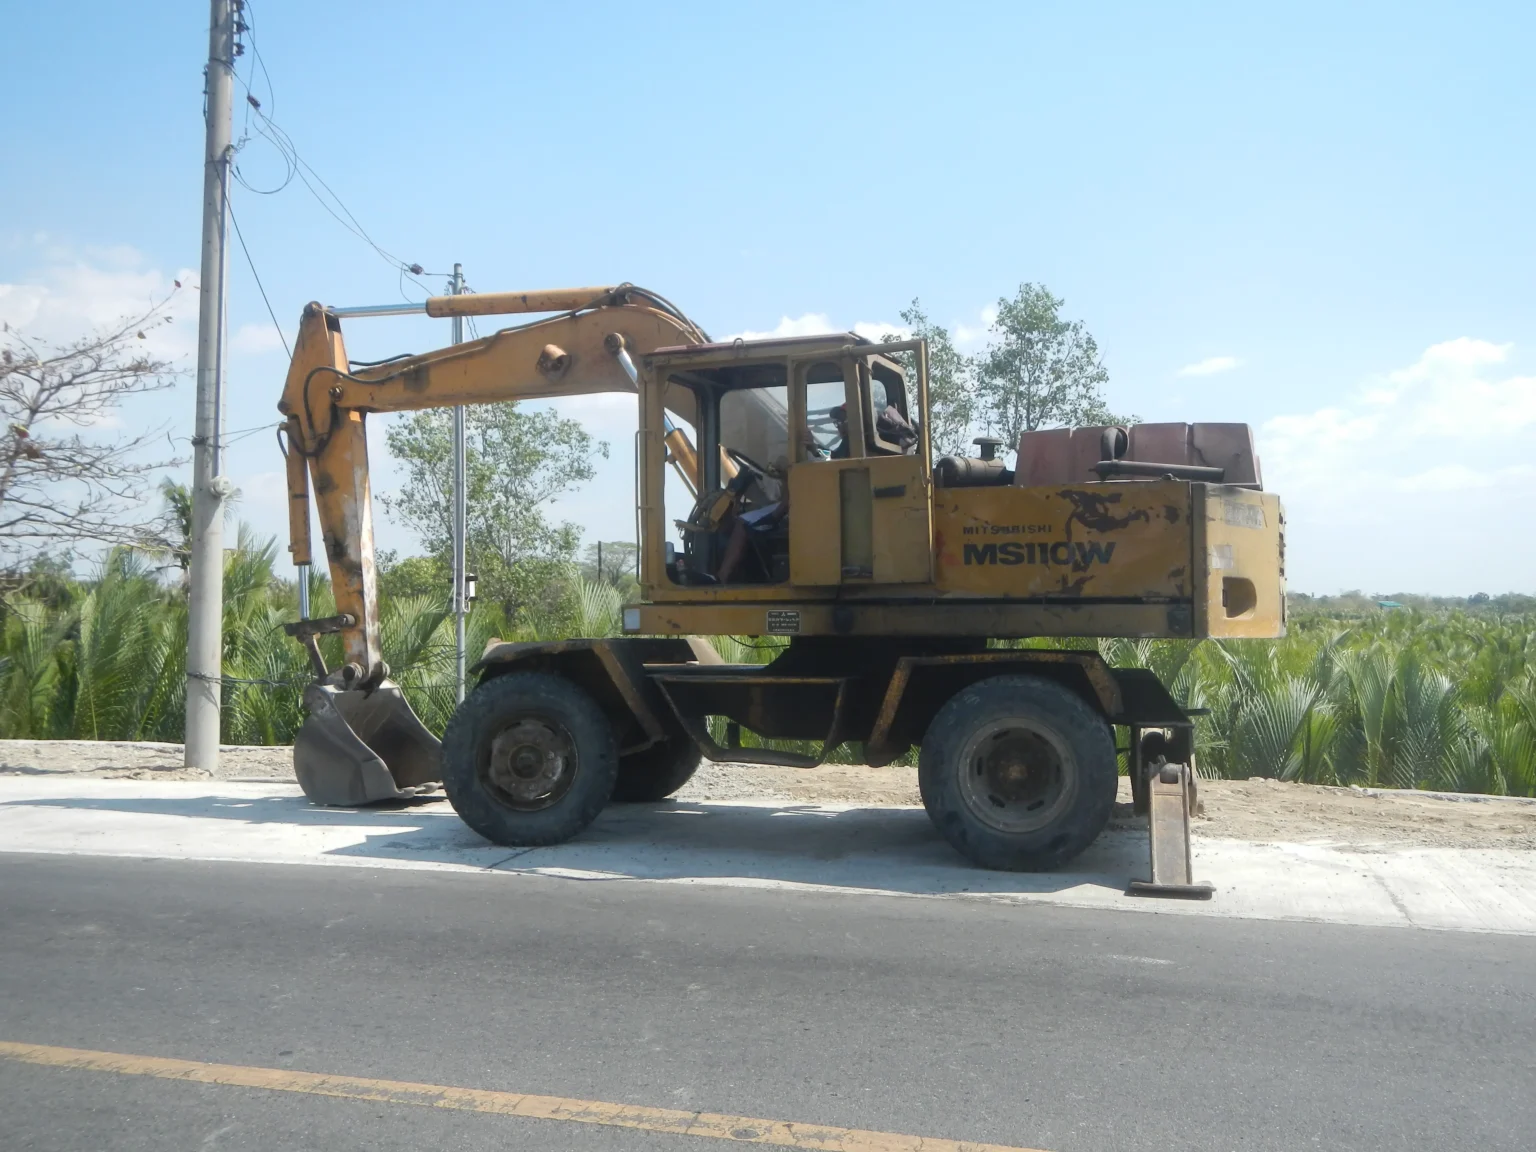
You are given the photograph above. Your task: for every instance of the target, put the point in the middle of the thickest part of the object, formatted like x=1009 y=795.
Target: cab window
x=826 y=413
x=886 y=391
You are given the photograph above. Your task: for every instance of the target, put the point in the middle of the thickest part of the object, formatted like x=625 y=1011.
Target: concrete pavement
x=820 y=848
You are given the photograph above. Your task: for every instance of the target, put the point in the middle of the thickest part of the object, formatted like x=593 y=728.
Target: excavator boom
x=360 y=741
x=326 y=402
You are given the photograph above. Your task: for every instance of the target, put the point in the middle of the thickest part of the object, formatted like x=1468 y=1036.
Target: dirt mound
x=1255 y=810
x=1261 y=810
x=143 y=760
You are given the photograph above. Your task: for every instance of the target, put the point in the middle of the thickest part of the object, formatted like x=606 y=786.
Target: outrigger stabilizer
x=1163 y=788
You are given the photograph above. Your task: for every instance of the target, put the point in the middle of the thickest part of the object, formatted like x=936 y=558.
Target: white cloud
x=819 y=324
x=968 y=338
x=810 y=324
x=1446 y=415
x=1431 y=452
x=877 y=331
x=1210 y=366
x=76 y=293
x=256 y=338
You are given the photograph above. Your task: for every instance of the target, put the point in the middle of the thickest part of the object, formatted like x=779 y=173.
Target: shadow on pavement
x=881 y=849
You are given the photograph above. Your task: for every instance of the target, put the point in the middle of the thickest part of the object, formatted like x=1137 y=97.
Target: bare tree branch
x=65 y=476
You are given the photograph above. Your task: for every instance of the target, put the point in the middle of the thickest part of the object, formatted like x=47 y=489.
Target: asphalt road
x=1045 y=1027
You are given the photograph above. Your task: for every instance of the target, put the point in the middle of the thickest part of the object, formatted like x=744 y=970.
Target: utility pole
x=460 y=503
x=205 y=600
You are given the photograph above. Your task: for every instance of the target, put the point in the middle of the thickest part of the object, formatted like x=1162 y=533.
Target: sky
x=1315 y=219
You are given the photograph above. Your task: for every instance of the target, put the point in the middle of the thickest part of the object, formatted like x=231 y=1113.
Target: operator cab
x=762 y=411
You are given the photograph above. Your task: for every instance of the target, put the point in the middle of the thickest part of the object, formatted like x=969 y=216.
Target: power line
x=244 y=433
x=296 y=166
x=474 y=330
x=251 y=264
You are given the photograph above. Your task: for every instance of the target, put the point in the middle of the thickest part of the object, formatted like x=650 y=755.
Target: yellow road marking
x=718 y=1126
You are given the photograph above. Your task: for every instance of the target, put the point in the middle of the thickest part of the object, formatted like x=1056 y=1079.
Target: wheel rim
x=1015 y=777
x=531 y=764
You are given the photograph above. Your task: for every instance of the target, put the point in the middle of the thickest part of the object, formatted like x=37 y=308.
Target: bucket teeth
x=358 y=747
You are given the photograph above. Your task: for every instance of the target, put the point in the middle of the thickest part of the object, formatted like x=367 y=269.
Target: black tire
x=658 y=771
x=1018 y=773
x=550 y=773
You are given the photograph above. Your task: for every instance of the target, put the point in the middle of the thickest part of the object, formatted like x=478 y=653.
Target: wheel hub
x=1015 y=778
x=531 y=764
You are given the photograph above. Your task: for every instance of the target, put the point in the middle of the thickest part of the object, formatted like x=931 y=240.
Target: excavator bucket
x=362 y=747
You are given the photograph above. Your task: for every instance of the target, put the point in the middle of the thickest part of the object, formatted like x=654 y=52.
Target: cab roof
x=752 y=347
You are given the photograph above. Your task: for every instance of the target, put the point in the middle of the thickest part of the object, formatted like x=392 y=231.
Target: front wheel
x=529 y=759
x=1018 y=773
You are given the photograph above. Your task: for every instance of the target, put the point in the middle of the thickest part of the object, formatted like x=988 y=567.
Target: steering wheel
x=746 y=461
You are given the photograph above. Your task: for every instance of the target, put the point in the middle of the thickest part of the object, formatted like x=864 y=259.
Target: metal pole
x=205 y=599
x=460 y=505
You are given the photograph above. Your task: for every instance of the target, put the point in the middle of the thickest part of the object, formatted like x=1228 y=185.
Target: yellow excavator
x=814 y=511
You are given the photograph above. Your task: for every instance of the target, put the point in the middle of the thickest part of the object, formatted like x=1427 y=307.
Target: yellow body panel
x=861 y=521
x=1240 y=540
x=1088 y=540
x=902 y=506
x=815 y=538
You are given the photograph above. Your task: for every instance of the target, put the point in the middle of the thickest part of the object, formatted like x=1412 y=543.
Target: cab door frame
x=865 y=520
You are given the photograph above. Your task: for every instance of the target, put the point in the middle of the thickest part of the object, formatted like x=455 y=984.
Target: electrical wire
x=231 y=437
x=235 y=437
x=295 y=166
x=251 y=264
x=474 y=331
x=247 y=14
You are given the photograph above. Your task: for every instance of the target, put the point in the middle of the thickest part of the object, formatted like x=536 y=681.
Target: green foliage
x=1039 y=369
x=413 y=576
x=106 y=660
x=1401 y=700
x=612 y=562
x=516 y=462
x=951 y=389
x=1398 y=699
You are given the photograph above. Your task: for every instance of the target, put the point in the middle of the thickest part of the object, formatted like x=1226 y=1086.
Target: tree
x=516 y=462
x=65 y=478
x=428 y=576
x=610 y=562
x=1039 y=369
x=171 y=536
x=951 y=386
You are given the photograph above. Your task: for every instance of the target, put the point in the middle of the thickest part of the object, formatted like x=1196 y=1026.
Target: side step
x=1170 y=795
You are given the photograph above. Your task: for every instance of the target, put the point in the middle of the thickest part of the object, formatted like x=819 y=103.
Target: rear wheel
x=529 y=759
x=658 y=771
x=1018 y=773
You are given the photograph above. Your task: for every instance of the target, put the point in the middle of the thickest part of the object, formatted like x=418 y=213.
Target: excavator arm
x=326 y=401
x=360 y=741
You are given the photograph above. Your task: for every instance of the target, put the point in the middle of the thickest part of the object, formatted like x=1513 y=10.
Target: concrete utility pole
x=460 y=503
x=205 y=600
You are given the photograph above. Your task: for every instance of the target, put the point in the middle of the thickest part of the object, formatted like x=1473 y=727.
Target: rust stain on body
x=1092 y=511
